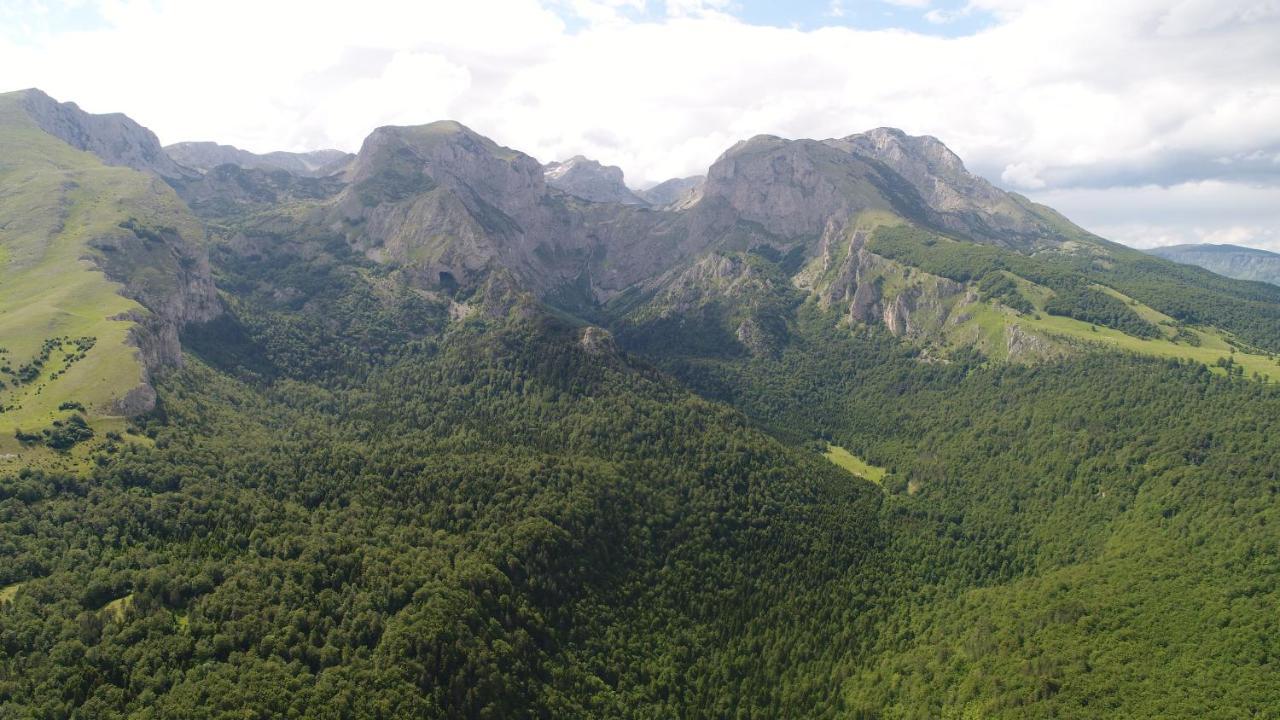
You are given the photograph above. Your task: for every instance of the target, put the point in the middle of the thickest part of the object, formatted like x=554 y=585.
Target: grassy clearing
x=116 y=608
x=8 y=592
x=854 y=464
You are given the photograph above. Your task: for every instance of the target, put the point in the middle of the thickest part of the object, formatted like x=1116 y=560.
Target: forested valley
x=365 y=519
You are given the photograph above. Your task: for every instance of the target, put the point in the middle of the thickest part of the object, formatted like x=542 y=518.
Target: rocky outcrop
x=450 y=206
x=114 y=138
x=589 y=180
x=936 y=173
x=168 y=273
x=396 y=163
x=952 y=198
x=597 y=341
x=789 y=189
x=205 y=156
x=792 y=189
x=1021 y=345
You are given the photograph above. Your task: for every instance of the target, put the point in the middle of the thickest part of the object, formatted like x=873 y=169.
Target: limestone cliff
x=114 y=137
x=589 y=180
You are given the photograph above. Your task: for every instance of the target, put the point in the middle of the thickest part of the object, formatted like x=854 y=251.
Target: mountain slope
x=670 y=192
x=1233 y=261
x=114 y=138
x=893 y=231
x=102 y=265
x=448 y=208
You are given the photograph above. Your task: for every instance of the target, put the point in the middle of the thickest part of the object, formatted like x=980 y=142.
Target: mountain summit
x=589 y=180
x=114 y=138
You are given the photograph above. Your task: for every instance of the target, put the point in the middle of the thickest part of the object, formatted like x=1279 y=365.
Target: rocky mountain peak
x=937 y=173
x=114 y=138
x=790 y=188
x=589 y=180
x=397 y=162
x=795 y=189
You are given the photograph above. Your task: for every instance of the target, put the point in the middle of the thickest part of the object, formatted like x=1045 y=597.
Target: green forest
x=350 y=508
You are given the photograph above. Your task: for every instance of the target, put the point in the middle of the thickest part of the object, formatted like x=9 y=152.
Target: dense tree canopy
x=346 y=507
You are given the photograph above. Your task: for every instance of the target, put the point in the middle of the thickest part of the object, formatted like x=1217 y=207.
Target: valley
x=838 y=429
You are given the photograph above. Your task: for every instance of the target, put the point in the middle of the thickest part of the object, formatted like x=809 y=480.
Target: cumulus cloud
x=1068 y=99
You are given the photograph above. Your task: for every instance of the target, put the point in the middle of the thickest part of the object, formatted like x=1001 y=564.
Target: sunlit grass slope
x=54 y=305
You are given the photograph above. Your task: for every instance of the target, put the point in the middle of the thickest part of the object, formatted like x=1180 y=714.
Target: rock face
x=114 y=138
x=205 y=156
x=676 y=191
x=597 y=341
x=1233 y=261
x=792 y=189
x=449 y=206
x=176 y=287
x=589 y=180
x=789 y=189
x=959 y=200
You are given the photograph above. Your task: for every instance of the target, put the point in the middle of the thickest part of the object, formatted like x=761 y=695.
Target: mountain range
x=835 y=429
x=1233 y=261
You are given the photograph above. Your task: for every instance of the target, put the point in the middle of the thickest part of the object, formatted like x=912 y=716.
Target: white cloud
x=1151 y=216
x=696 y=8
x=1022 y=175
x=1059 y=94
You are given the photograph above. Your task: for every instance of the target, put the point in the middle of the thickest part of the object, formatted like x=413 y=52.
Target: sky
x=1150 y=122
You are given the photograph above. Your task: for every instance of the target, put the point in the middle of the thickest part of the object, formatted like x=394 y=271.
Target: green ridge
x=58 y=202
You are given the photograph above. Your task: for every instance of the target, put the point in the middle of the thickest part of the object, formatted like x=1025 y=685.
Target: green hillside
x=64 y=326
x=57 y=200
